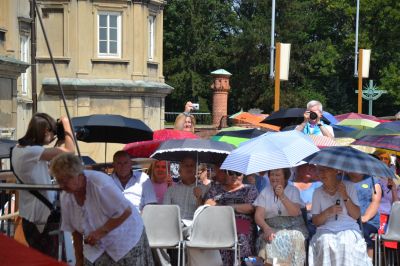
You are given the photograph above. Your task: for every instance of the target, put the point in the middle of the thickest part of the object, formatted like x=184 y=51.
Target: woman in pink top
x=159 y=173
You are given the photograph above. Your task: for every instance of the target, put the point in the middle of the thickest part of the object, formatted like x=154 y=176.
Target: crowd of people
x=309 y=214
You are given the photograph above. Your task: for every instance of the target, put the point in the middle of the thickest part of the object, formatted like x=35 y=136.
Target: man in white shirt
x=312 y=124
x=135 y=185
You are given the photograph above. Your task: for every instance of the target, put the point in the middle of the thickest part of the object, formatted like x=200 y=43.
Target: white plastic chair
x=392 y=233
x=163 y=228
x=215 y=228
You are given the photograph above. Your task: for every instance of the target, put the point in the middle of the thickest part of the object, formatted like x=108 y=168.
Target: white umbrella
x=270 y=151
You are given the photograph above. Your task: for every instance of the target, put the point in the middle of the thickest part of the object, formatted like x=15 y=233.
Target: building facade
x=15 y=103
x=108 y=54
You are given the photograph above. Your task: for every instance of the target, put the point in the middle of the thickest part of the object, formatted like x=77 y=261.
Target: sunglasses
x=234 y=173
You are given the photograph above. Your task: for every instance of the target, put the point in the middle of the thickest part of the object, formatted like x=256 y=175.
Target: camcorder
x=195 y=106
x=313 y=115
x=60 y=132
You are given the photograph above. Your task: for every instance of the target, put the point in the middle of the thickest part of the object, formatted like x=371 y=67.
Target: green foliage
x=204 y=35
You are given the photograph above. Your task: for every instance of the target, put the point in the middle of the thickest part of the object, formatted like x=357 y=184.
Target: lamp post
x=356 y=41
x=272 y=48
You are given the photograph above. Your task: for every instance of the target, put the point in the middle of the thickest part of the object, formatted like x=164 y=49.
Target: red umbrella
x=355 y=116
x=143 y=149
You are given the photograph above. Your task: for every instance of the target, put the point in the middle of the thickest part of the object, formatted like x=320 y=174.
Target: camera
x=60 y=132
x=195 y=106
x=313 y=115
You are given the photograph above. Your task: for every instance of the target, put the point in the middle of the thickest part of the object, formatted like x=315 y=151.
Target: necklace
x=278 y=205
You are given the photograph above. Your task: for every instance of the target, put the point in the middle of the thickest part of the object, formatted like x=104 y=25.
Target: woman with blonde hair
x=186 y=121
x=160 y=177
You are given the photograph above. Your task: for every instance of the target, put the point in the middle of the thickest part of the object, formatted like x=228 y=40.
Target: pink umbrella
x=355 y=116
x=143 y=149
x=323 y=142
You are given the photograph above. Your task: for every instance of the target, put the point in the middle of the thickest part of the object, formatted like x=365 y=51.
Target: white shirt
x=322 y=200
x=31 y=170
x=139 y=189
x=273 y=205
x=103 y=201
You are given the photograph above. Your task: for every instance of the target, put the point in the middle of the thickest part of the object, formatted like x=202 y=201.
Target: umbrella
x=111 y=129
x=288 y=117
x=358 y=123
x=372 y=132
x=354 y=116
x=254 y=120
x=387 y=142
x=348 y=159
x=245 y=133
x=236 y=141
x=323 y=142
x=87 y=160
x=330 y=117
x=347 y=142
x=395 y=125
x=339 y=131
x=143 y=149
x=201 y=150
x=5 y=146
x=270 y=151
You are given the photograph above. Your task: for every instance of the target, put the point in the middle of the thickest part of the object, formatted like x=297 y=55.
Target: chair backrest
x=214 y=227
x=163 y=225
x=393 y=229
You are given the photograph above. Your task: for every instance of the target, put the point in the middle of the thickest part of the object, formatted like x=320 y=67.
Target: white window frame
x=151 y=37
x=119 y=30
x=25 y=56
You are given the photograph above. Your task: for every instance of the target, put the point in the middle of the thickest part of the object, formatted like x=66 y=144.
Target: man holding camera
x=312 y=124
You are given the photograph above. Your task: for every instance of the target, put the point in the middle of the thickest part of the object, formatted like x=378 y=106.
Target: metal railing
x=201 y=118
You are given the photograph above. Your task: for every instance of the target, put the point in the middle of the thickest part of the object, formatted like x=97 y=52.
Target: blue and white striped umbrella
x=270 y=151
x=350 y=160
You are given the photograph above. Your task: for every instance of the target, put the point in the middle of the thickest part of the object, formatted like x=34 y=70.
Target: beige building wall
x=128 y=82
x=15 y=102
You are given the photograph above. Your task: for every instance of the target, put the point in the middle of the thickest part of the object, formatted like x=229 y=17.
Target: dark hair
x=286 y=173
x=120 y=154
x=36 y=132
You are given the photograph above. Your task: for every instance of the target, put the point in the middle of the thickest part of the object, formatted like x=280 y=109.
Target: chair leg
x=179 y=254
x=379 y=250
x=183 y=253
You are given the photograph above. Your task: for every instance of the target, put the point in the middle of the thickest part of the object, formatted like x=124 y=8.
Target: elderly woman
x=278 y=214
x=106 y=228
x=335 y=210
x=240 y=196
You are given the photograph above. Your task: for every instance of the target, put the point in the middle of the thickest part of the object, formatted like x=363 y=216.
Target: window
x=151 y=47
x=109 y=34
x=25 y=56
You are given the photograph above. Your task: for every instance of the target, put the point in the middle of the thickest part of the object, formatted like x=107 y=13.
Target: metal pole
x=356 y=44
x=360 y=63
x=272 y=48
x=33 y=56
x=277 y=76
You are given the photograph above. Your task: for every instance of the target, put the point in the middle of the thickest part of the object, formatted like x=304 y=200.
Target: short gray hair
x=66 y=165
x=313 y=103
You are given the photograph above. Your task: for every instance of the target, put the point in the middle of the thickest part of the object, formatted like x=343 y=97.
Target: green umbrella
x=229 y=139
x=372 y=132
x=358 y=123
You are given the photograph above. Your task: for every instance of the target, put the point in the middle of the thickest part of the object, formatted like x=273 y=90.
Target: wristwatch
x=346 y=200
x=319 y=125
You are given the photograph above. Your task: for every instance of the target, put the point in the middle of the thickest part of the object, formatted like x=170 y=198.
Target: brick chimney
x=220 y=87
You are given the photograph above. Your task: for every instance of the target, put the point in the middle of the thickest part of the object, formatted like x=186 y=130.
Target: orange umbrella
x=255 y=120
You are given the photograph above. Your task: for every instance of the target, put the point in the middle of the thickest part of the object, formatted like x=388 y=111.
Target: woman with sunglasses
x=30 y=162
x=232 y=192
x=335 y=211
x=278 y=214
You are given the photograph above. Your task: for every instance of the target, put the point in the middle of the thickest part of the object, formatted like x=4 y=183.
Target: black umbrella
x=245 y=133
x=110 y=129
x=5 y=146
x=288 y=117
x=201 y=150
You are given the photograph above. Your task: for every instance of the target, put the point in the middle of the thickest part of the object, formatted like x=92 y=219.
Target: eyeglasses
x=234 y=173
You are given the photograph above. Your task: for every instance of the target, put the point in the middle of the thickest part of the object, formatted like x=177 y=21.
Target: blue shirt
x=365 y=191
